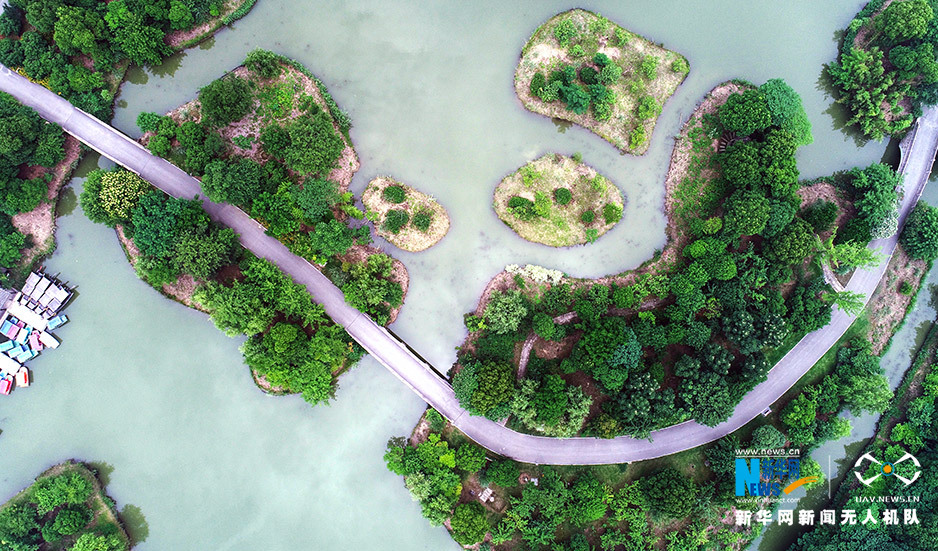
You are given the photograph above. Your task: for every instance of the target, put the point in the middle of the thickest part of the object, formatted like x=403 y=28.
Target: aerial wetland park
x=484 y=275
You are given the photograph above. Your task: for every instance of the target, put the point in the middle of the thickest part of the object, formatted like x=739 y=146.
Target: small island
x=583 y=68
x=558 y=201
x=407 y=218
x=66 y=508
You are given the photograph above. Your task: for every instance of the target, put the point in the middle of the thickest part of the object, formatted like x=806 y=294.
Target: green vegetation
x=919 y=236
x=906 y=426
x=292 y=343
x=687 y=339
x=407 y=218
x=288 y=165
x=581 y=67
x=886 y=69
x=553 y=200
x=66 y=508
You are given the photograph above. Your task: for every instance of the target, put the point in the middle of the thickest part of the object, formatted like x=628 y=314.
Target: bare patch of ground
x=39 y=223
x=562 y=227
x=408 y=238
x=888 y=307
x=542 y=53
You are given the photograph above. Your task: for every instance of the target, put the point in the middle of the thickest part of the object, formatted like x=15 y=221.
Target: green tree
x=745 y=113
x=920 y=235
x=95 y=542
x=786 y=109
x=70 y=520
x=225 y=100
x=138 y=39
x=670 y=493
x=264 y=63
x=468 y=523
x=238 y=182
x=314 y=145
x=120 y=193
x=746 y=213
x=316 y=198
x=768 y=437
x=904 y=20
x=503 y=472
x=505 y=311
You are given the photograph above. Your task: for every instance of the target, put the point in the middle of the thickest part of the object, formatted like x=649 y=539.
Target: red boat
x=5 y=386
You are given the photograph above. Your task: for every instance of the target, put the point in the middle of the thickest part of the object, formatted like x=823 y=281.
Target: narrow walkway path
x=918 y=154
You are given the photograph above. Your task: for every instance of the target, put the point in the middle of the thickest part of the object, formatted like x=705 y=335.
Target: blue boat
x=6 y=345
x=57 y=321
x=27 y=355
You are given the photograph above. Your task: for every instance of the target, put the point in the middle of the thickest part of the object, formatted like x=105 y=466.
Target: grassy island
x=581 y=67
x=66 y=508
x=407 y=218
x=558 y=201
x=886 y=70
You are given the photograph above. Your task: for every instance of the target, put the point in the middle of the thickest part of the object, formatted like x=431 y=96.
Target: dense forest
x=887 y=68
x=261 y=139
x=690 y=340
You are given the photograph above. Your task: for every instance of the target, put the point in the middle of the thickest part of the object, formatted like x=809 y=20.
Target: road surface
x=918 y=154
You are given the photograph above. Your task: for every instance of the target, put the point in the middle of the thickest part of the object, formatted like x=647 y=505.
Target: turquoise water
x=153 y=390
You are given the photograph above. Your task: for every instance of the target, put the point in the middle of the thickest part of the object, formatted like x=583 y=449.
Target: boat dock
x=26 y=318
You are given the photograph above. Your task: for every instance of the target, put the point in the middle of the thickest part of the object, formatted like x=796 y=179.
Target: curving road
x=918 y=154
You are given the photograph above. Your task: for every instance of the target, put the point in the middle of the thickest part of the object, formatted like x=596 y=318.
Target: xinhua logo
x=886 y=469
x=764 y=476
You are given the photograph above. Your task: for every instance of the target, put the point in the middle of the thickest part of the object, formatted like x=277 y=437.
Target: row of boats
x=26 y=319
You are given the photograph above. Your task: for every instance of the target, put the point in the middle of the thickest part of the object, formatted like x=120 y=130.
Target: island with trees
x=886 y=69
x=408 y=219
x=65 y=508
x=583 y=68
x=81 y=51
x=684 y=336
x=558 y=201
x=269 y=138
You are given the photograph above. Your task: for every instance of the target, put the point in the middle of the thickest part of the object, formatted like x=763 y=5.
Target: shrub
x=905 y=288
x=577 y=51
x=649 y=67
x=264 y=63
x=538 y=83
x=587 y=217
x=395 y=220
x=468 y=523
x=541 y=204
x=679 y=65
x=562 y=196
x=226 y=100
x=647 y=107
x=394 y=194
x=521 y=208
x=602 y=111
x=148 y=122
x=422 y=220
x=821 y=215
x=160 y=146
x=637 y=137
x=612 y=213
x=589 y=75
x=564 y=31
x=435 y=420
x=577 y=157
x=920 y=234
x=610 y=74
x=601 y=60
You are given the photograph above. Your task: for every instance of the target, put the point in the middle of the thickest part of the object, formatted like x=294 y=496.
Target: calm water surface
x=153 y=390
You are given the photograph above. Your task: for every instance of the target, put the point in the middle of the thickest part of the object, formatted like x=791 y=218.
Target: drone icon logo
x=886 y=469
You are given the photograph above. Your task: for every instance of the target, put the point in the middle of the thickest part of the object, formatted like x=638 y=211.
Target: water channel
x=157 y=394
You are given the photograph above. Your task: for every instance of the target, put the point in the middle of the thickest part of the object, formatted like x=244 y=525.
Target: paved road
x=918 y=155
